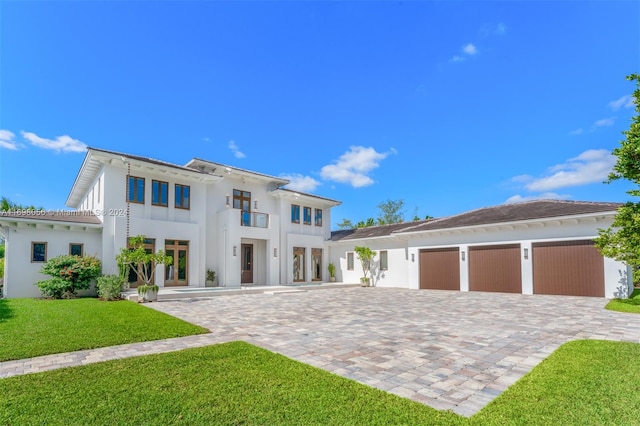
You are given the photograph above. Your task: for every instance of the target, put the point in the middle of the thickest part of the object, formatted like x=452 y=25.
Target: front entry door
x=247 y=263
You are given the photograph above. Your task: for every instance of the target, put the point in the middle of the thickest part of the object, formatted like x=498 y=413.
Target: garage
x=440 y=269
x=495 y=268
x=571 y=268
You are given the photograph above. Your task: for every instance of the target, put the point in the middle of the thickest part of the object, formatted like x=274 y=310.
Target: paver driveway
x=449 y=350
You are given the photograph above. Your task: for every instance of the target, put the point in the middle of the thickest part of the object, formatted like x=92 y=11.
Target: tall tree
x=391 y=211
x=6 y=205
x=346 y=224
x=621 y=241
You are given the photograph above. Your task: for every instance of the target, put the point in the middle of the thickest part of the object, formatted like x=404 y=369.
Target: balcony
x=253 y=219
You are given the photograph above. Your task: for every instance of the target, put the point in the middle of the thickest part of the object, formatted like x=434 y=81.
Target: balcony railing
x=256 y=220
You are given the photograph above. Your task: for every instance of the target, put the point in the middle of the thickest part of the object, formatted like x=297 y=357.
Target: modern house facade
x=537 y=247
x=207 y=216
x=249 y=229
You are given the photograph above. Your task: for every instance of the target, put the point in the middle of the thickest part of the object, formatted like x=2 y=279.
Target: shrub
x=68 y=275
x=109 y=287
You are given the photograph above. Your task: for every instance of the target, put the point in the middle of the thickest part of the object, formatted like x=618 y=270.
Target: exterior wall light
x=235 y=251
x=462 y=255
x=526 y=253
x=413 y=257
x=275 y=252
x=227 y=200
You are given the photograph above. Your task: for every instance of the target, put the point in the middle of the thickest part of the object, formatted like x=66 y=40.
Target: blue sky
x=449 y=106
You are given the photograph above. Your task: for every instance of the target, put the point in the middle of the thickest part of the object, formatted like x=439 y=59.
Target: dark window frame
x=156 y=193
x=295 y=213
x=318 y=217
x=306 y=216
x=135 y=196
x=384 y=260
x=44 y=256
x=180 y=198
x=350 y=261
x=76 y=244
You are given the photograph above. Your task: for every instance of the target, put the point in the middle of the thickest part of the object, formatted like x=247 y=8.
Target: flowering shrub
x=68 y=275
x=109 y=287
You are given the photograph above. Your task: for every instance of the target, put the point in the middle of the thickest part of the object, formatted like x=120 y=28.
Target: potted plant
x=211 y=278
x=143 y=263
x=366 y=255
x=332 y=272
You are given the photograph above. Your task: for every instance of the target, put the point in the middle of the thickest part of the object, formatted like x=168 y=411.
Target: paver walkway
x=449 y=350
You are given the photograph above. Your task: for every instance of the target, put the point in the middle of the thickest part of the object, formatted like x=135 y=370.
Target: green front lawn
x=632 y=304
x=584 y=382
x=37 y=327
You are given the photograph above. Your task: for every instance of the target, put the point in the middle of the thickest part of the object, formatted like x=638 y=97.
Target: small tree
x=366 y=255
x=140 y=261
x=68 y=275
x=346 y=224
x=622 y=240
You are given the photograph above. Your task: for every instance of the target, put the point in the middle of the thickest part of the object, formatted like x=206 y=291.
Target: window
x=76 y=249
x=384 y=260
x=307 y=215
x=318 y=218
x=136 y=190
x=295 y=213
x=182 y=196
x=159 y=192
x=349 y=261
x=38 y=252
x=299 y=264
x=176 y=272
x=242 y=200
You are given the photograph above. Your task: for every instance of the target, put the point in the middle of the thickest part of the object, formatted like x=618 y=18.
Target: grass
x=40 y=327
x=583 y=382
x=632 y=304
x=229 y=384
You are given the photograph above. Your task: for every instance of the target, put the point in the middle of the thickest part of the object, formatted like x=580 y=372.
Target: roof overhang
x=96 y=159
x=293 y=196
x=34 y=223
x=205 y=166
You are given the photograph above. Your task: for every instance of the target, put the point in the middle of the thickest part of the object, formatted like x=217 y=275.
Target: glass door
x=298 y=264
x=316 y=255
x=247 y=264
x=176 y=271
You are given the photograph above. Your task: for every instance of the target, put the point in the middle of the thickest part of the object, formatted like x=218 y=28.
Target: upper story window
x=307 y=215
x=183 y=194
x=295 y=213
x=350 y=261
x=38 y=252
x=242 y=200
x=136 y=190
x=318 y=218
x=384 y=260
x=159 y=193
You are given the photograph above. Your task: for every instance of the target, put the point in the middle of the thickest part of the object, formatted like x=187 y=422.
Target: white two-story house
x=241 y=224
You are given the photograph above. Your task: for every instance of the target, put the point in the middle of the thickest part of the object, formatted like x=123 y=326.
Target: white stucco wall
x=20 y=273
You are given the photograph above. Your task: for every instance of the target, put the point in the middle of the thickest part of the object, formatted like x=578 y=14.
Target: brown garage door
x=495 y=268
x=573 y=268
x=440 y=269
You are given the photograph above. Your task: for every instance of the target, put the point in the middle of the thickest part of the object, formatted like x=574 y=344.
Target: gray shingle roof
x=529 y=210
x=67 y=216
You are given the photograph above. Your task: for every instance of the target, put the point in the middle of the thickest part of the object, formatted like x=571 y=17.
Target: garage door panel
x=495 y=268
x=440 y=269
x=572 y=268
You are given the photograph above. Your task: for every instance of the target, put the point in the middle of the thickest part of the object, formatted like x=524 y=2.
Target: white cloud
x=577 y=131
x=7 y=140
x=624 y=102
x=498 y=29
x=456 y=58
x=544 y=196
x=604 y=122
x=63 y=143
x=470 y=49
x=354 y=165
x=591 y=166
x=235 y=150
x=501 y=29
x=301 y=183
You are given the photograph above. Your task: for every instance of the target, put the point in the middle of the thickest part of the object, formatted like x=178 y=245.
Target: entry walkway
x=449 y=350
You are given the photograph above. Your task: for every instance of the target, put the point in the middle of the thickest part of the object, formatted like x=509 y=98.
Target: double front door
x=176 y=271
